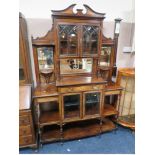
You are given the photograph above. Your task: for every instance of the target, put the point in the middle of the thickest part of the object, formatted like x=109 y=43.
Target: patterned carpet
x=120 y=142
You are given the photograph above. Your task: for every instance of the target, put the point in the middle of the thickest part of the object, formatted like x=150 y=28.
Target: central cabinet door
x=68 y=39
x=71 y=105
x=90 y=40
x=75 y=39
x=92 y=103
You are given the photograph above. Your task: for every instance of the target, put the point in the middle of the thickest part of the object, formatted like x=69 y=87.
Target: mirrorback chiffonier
x=72 y=99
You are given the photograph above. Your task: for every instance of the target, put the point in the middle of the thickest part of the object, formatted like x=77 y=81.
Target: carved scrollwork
x=79 y=12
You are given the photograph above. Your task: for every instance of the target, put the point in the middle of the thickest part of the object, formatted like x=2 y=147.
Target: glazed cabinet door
x=71 y=106
x=92 y=103
x=68 y=39
x=90 y=40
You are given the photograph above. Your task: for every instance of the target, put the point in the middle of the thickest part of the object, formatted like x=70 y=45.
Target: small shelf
x=49 y=117
x=50 y=133
x=76 y=130
x=109 y=110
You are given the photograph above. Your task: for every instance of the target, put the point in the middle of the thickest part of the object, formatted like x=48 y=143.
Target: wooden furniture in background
x=25 y=73
x=27 y=135
x=72 y=106
x=126 y=108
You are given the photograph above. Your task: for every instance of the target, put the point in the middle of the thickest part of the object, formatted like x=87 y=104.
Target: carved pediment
x=79 y=12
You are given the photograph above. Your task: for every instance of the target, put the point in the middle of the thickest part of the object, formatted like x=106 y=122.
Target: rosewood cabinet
x=77 y=103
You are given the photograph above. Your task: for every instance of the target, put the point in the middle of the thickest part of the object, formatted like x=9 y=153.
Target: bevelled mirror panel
x=71 y=66
x=105 y=56
x=45 y=64
x=45 y=58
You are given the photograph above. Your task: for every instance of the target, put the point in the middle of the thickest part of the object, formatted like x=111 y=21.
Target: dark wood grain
x=55 y=125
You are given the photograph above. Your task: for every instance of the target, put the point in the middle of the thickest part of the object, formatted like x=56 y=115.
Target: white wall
x=113 y=8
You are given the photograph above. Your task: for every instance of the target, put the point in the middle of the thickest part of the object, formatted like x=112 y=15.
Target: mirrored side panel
x=105 y=56
x=45 y=63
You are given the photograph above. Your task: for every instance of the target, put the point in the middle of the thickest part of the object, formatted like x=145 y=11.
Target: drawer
x=25 y=130
x=46 y=99
x=114 y=92
x=24 y=120
x=80 y=88
x=25 y=140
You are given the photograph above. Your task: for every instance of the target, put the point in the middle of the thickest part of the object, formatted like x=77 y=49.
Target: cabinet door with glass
x=68 y=39
x=90 y=40
x=92 y=103
x=71 y=106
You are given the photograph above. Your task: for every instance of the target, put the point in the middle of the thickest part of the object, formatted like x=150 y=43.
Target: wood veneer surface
x=79 y=80
x=109 y=110
x=45 y=90
x=78 y=130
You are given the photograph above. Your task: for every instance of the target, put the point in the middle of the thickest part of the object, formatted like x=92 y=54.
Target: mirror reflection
x=21 y=69
x=45 y=58
x=70 y=66
x=105 y=56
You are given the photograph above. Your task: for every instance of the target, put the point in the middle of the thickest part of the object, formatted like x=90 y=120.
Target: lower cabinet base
x=76 y=130
x=33 y=145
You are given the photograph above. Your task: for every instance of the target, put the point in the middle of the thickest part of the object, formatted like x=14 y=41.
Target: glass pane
x=92 y=102
x=72 y=106
x=68 y=39
x=71 y=66
x=90 y=39
x=46 y=63
x=21 y=69
x=105 y=56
